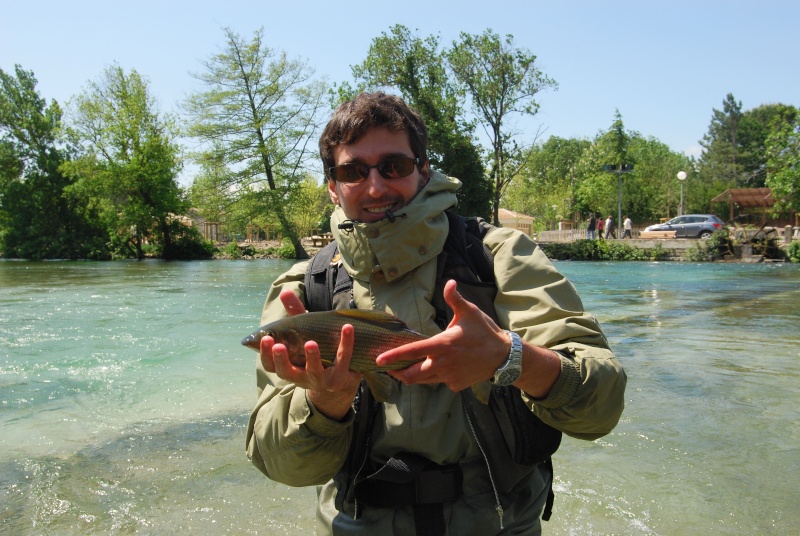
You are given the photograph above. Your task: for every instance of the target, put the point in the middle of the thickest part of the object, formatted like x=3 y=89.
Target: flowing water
x=124 y=394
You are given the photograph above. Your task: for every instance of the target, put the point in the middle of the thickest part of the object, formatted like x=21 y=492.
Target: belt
x=411 y=480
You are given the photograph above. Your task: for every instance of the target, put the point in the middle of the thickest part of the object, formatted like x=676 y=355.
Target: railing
x=568 y=235
x=571 y=235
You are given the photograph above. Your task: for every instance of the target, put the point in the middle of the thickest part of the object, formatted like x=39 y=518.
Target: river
x=124 y=395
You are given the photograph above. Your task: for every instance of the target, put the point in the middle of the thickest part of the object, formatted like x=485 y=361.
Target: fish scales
x=375 y=333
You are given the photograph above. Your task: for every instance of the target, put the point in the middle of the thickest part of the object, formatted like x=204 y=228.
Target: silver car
x=691 y=226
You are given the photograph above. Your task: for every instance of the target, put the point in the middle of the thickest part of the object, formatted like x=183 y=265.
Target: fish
x=375 y=333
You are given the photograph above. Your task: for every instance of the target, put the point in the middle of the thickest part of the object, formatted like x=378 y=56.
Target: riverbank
x=678 y=250
x=637 y=249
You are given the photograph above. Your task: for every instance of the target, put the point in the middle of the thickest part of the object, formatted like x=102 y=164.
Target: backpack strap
x=469 y=261
x=324 y=280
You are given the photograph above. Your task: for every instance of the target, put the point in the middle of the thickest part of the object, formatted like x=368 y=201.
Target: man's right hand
x=330 y=390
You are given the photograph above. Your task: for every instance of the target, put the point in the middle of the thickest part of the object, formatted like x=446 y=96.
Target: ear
x=332 y=192
x=424 y=173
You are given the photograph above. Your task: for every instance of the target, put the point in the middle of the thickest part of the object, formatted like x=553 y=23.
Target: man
x=311 y=426
x=628 y=226
x=611 y=227
x=590 y=228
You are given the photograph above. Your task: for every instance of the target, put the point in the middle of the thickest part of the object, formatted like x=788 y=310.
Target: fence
x=570 y=235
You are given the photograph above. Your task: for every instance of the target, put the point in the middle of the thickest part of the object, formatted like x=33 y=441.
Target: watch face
x=508 y=376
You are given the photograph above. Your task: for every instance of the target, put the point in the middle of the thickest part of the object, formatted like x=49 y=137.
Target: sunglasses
x=391 y=167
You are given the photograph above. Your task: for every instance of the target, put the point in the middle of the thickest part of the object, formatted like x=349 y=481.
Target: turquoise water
x=124 y=394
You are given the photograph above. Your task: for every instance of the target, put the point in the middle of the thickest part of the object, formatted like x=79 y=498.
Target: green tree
x=547 y=178
x=501 y=80
x=128 y=162
x=721 y=160
x=417 y=68
x=602 y=189
x=257 y=117
x=649 y=192
x=37 y=220
x=783 y=176
x=757 y=125
x=311 y=206
x=652 y=190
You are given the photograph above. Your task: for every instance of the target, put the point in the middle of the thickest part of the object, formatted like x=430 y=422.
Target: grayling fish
x=375 y=333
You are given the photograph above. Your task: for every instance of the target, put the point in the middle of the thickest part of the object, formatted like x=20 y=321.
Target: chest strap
x=411 y=480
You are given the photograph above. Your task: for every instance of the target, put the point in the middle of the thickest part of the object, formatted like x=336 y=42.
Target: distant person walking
x=590 y=230
x=627 y=225
x=611 y=229
x=600 y=226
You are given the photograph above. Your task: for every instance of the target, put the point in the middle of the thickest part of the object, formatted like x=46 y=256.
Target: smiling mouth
x=379 y=210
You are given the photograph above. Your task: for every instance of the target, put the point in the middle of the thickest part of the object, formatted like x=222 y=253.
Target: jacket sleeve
x=287 y=439
x=541 y=305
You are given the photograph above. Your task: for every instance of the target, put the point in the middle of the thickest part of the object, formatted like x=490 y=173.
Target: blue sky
x=664 y=64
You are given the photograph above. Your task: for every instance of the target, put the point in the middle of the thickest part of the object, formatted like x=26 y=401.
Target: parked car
x=691 y=226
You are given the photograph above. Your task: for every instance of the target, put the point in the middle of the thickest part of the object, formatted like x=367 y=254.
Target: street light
x=681 y=178
x=619 y=170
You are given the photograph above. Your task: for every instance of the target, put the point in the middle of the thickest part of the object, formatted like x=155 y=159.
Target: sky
x=665 y=65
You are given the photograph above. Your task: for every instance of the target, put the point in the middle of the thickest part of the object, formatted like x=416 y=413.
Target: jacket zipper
x=498 y=507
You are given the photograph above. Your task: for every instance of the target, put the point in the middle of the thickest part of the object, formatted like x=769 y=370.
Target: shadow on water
x=181 y=478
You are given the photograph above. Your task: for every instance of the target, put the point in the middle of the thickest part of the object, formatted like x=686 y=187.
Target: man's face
x=368 y=200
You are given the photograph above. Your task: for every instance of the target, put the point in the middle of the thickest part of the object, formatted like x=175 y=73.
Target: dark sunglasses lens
x=396 y=167
x=351 y=172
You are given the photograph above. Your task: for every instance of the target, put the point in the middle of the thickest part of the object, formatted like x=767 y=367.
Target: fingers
x=265 y=352
x=451 y=294
x=275 y=358
x=414 y=350
x=345 y=350
x=292 y=303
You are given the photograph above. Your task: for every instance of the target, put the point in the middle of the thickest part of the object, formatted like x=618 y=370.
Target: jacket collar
x=395 y=248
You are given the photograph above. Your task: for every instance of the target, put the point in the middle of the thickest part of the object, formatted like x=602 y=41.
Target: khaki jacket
x=393 y=267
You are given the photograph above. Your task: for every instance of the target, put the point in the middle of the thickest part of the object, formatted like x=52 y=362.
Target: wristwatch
x=512 y=369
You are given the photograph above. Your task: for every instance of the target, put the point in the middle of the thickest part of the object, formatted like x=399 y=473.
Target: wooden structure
x=744 y=198
x=657 y=234
x=319 y=241
x=209 y=230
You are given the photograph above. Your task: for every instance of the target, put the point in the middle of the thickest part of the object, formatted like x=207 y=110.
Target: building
x=515 y=220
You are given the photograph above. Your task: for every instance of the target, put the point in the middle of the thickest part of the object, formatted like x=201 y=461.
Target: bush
x=716 y=247
x=793 y=252
x=286 y=251
x=601 y=250
x=232 y=250
x=187 y=244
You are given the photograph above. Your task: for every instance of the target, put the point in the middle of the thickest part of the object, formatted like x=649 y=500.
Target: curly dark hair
x=367 y=110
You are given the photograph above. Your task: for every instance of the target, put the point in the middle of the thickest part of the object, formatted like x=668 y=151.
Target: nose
x=376 y=185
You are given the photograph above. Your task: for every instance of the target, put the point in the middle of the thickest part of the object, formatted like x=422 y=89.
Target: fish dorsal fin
x=376 y=318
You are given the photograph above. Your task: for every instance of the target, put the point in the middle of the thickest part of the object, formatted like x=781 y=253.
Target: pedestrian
x=628 y=227
x=431 y=458
x=611 y=230
x=592 y=225
x=601 y=224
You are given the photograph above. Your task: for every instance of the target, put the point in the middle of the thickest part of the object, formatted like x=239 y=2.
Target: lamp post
x=619 y=170
x=681 y=178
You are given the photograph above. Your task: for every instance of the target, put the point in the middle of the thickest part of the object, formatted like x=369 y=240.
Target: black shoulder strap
x=465 y=245
x=323 y=279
